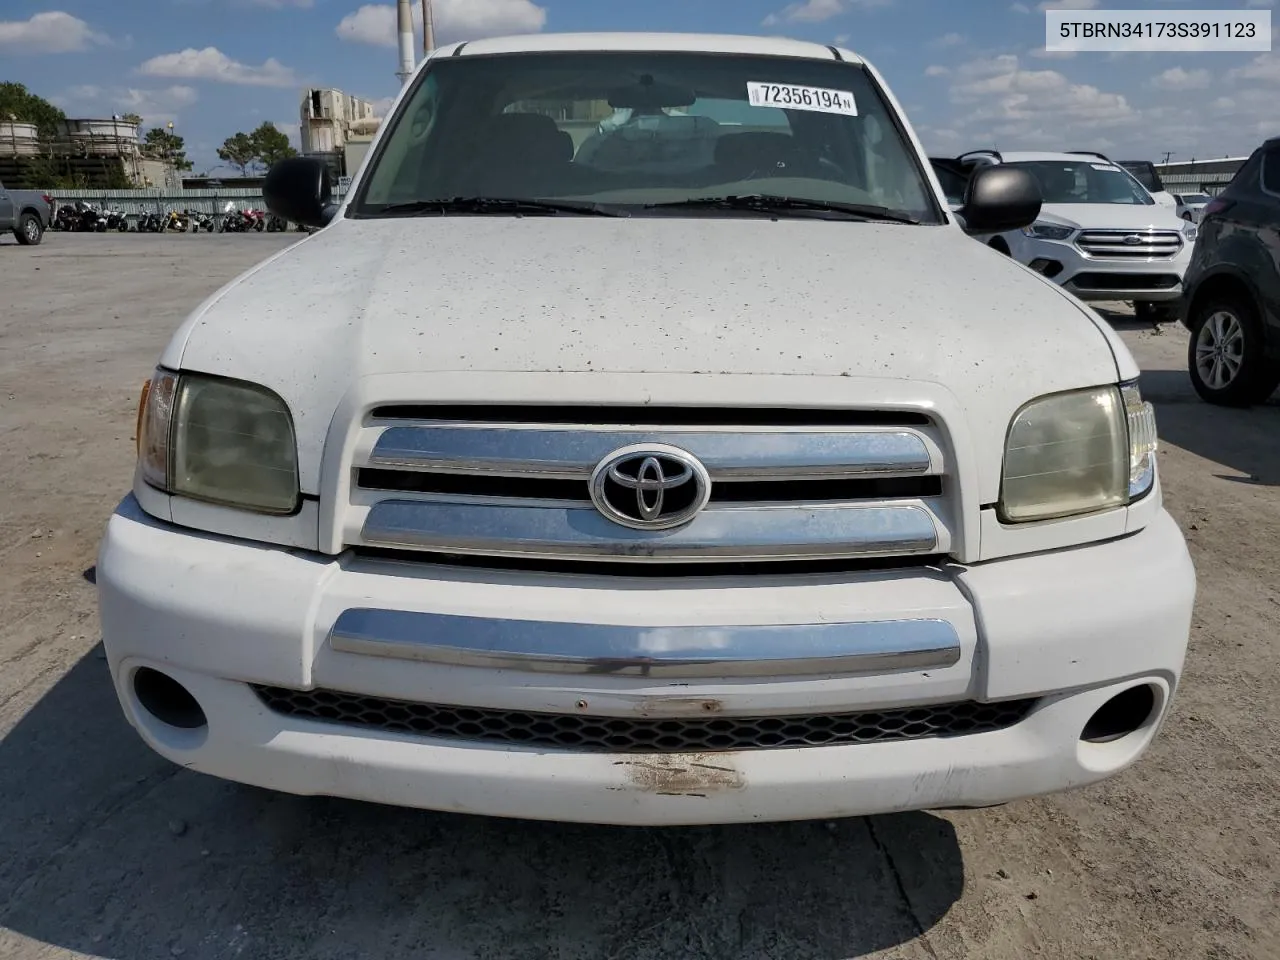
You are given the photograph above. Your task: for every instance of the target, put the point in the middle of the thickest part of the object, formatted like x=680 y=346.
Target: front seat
x=519 y=155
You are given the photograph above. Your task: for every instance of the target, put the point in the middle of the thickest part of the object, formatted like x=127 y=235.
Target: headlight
x=1047 y=231
x=1190 y=231
x=222 y=441
x=1079 y=452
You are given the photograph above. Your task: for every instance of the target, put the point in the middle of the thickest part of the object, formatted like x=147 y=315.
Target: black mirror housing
x=298 y=189
x=1000 y=198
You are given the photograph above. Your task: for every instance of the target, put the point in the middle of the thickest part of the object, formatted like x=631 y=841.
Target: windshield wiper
x=500 y=205
x=763 y=203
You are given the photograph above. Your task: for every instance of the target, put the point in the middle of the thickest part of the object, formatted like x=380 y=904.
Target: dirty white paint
x=652 y=296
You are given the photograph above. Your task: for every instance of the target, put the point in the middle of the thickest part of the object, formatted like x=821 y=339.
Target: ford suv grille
x=1130 y=244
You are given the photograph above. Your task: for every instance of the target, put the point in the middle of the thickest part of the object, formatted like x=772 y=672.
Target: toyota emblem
x=650 y=487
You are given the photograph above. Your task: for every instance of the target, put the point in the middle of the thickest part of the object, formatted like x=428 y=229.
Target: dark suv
x=1231 y=299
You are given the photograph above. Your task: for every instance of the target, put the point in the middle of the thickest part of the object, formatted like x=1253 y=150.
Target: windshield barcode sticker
x=791 y=97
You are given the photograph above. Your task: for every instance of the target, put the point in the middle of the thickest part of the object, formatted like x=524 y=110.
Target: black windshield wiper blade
x=768 y=204
x=500 y=205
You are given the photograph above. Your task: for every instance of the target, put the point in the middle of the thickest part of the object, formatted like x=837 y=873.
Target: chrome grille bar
x=746 y=533
x=573 y=454
x=1114 y=244
x=653 y=651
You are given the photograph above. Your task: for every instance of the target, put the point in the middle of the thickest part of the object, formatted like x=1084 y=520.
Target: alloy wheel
x=1220 y=350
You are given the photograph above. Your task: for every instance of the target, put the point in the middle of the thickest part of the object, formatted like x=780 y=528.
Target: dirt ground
x=107 y=850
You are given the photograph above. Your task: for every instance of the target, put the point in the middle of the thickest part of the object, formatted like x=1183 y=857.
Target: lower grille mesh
x=626 y=735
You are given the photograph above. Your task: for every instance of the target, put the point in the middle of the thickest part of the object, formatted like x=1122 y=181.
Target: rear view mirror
x=298 y=189
x=647 y=94
x=1000 y=198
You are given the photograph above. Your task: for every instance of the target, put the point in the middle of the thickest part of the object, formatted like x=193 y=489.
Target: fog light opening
x=1050 y=268
x=1121 y=715
x=167 y=700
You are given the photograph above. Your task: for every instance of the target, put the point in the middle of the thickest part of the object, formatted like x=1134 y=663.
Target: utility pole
x=1167 y=155
x=428 y=28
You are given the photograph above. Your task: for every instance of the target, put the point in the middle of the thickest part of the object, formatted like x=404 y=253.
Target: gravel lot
x=108 y=850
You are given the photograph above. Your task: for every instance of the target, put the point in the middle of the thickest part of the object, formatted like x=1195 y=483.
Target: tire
x=30 y=231
x=1225 y=355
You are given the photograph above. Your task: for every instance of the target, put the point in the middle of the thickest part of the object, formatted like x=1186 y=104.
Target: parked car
x=1191 y=205
x=1232 y=300
x=747 y=491
x=1144 y=171
x=1099 y=235
x=26 y=214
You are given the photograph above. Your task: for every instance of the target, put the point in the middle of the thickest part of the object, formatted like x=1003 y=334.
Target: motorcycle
x=176 y=221
x=254 y=219
x=67 y=218
x=89 y=219
x=200 y=221
x=277 y=224
x=231 y=221
x=116 y=220
x=150 y=223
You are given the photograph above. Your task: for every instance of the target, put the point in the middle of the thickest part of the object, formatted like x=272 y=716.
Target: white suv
x=1100 y=234
x=713 y=475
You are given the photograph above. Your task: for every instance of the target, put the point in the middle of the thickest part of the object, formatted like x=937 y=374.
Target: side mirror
x=298 y=189
x=1000 y=198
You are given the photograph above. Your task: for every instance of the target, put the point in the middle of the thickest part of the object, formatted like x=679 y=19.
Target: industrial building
x=336 y=128
x=1199 y=176
x=91 y=152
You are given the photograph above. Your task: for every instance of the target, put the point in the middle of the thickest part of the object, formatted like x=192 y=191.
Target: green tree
x=239 y=150
x=271 y=145
x=20 y=104
x=131 y=118
x=166 y=145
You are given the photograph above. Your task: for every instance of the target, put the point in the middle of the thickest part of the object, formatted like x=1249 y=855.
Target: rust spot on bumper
x=683 y=775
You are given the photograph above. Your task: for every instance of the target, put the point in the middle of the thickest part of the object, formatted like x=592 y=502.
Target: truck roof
x=665 y=42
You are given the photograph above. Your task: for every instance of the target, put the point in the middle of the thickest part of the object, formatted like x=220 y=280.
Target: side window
x=1271 y=172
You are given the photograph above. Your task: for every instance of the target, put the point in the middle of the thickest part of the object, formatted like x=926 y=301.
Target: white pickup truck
x=719 y=478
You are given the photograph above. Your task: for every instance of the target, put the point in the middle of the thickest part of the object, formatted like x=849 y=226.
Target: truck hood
x=1111 y=216
x=646 y=297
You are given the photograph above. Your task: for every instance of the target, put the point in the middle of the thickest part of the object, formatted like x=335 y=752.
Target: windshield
x=1071 y=181
x=624 y=131
x=1195 y=198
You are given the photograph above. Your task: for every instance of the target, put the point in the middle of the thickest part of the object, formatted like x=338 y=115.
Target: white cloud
x=1019 y=8
x=1069 y=5
x=155 y=106
x=453 y=20
x=936 y=71
x=1265 y=67
x=50 y=32
x=278 y=4
x=1176 y=78
x=998 y=99
x=948 y=40
x=212 y=64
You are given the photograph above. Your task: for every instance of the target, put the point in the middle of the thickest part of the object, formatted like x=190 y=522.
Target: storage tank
x=19 y=140
x=99 y=138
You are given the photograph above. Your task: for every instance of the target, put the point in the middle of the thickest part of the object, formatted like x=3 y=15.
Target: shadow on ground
x=107 y=849
x=1245 y=442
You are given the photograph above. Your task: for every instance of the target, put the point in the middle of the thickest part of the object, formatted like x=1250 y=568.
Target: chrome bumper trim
x=706 y=651
x=742 y=533
x=572 y=454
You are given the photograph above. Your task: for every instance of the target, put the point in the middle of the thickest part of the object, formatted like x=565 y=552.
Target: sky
x=970 y=73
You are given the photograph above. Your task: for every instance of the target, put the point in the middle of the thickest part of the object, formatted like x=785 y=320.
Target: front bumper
x=1069 y=628
x=1092 y=278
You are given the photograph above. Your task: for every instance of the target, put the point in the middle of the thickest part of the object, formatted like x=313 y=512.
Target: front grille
x=588 y=734
x=781 y=484
x=1130 y=244
x=1125 y=281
